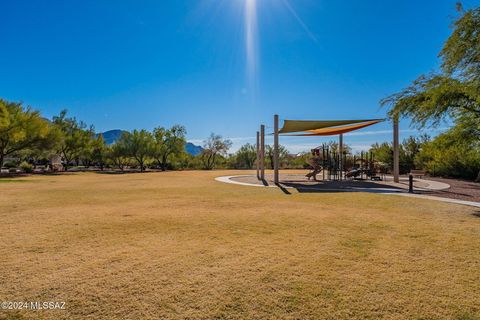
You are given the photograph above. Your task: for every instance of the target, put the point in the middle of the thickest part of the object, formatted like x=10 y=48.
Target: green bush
x=26 y=167
x=450 y=155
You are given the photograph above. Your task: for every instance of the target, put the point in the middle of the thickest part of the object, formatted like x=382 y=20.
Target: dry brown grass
x=180 y=245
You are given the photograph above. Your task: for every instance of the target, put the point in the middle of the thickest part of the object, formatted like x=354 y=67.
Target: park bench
x=417 y=173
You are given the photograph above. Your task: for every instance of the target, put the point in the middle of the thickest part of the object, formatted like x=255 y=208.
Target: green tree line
x=26 y=136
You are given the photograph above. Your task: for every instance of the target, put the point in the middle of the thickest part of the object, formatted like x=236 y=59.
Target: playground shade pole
x=396 y=153
x=341 y=155
x=275 y=150
x=324 y=162
x=262 y=152
x=258 y=155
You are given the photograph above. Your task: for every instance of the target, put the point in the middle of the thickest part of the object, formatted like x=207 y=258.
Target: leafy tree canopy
x=76 y=138
x=139 y=145
x=168 y=142
x=453 y=92
x=282 y=155
x=246 y=156
x=214 y=147
x=21 y=128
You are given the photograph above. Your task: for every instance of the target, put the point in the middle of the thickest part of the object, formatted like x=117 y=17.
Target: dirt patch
x=459 y=189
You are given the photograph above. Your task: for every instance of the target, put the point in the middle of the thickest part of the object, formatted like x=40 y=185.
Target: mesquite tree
x=214 y=146
x=168 y=142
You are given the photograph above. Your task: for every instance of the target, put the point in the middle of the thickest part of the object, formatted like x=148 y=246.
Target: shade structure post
x=275 y=150
x=341 y=155
x=396 y=151
x=324 y=162
x=258 y=155
x=262 y=152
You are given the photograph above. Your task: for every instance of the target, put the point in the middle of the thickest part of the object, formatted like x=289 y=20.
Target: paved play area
x=295 y=179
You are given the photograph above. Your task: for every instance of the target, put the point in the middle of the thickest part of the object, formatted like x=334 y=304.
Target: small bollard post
x=410 y=184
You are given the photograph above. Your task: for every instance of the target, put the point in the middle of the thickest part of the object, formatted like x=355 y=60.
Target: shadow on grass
x=13 y=180
x=340 y=186
x=476 y=214
x=14 y=176
x=283 y=189
x=125 y=172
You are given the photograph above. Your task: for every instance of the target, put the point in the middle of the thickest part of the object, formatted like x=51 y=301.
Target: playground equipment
x=334 y=165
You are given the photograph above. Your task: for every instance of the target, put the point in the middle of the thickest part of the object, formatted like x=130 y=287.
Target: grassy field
x=179 y=245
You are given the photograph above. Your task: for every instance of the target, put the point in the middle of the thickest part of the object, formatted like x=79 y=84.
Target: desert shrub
x=26 y=167
x=450 y=155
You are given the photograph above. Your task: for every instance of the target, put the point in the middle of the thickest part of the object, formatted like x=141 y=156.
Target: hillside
x=112 y=136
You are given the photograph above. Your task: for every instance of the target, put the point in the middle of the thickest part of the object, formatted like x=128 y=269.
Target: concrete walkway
x=429 y=186
x=427 y=197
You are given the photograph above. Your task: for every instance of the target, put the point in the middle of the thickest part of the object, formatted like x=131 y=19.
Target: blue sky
x=142 y=64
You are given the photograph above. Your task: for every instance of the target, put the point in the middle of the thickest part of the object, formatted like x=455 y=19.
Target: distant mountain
x=193 y=149
x=113 y=136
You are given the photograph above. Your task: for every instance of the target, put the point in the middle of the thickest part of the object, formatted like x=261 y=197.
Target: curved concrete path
x=431 y=186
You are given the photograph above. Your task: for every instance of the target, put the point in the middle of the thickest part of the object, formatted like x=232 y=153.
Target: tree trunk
x=1 y=160
x=212 y=166
x=478 y=177
x=163 y=165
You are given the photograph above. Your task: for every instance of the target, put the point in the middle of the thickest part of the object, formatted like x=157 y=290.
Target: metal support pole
x=324 y=162
x=275 y=150
x=396 y=151
x=341 y=155
x=262 y=152
x=258 y=154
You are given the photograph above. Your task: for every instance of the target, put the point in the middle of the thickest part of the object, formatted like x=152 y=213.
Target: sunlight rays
x=300 y=21
x=251 y=43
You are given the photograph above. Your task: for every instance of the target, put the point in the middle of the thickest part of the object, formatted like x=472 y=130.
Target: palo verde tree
x=452 y=93
x=214 y=147
x=42 y=151
x=22 y=128
x=282 y=155
x=246 y=156
x=76 y=138
x=117 y=154
x=139 y=145
x=99 y=152
x=168 y=143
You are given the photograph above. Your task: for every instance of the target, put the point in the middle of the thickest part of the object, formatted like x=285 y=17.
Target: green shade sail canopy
x=335 y=125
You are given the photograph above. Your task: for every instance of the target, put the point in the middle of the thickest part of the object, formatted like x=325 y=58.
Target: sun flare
x=251 y=41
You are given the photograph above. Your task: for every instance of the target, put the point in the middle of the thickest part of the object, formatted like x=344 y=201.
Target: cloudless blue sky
x=142 y=64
